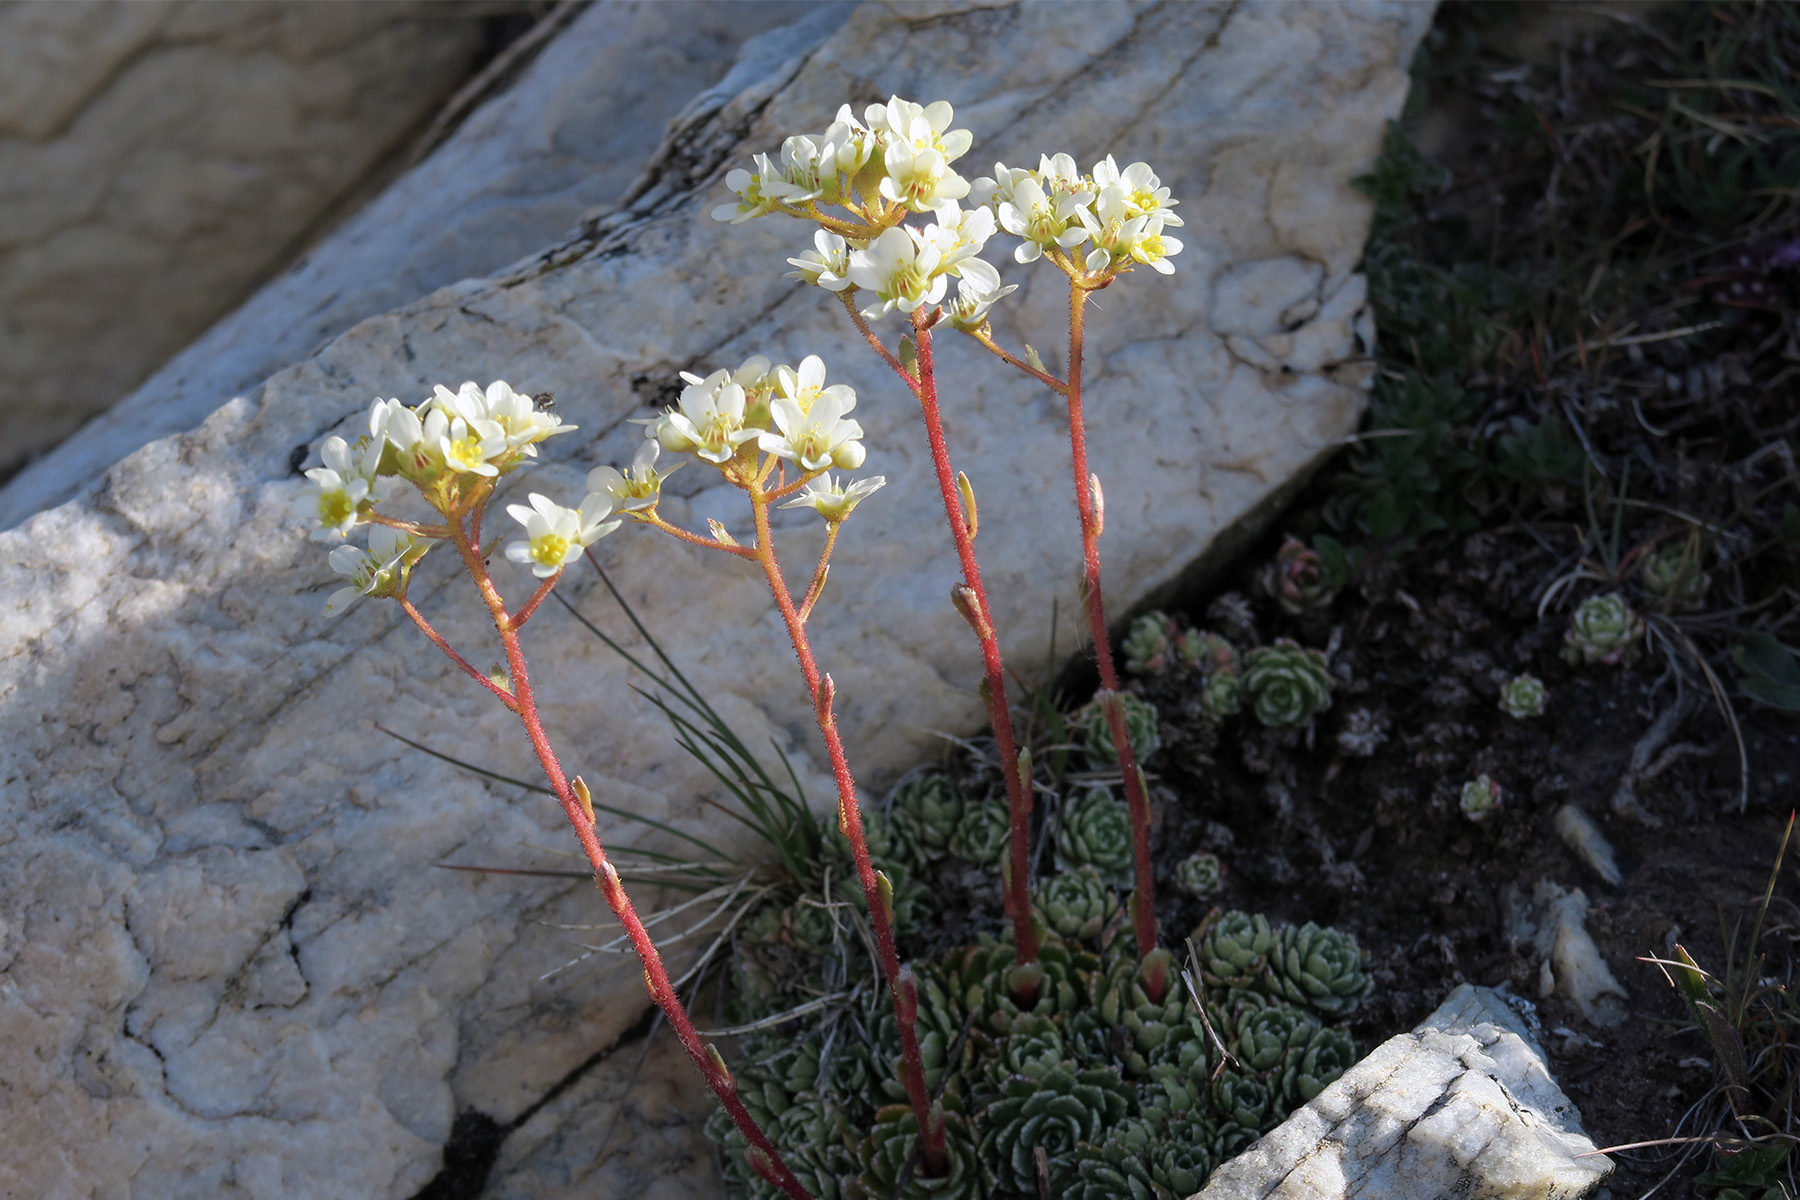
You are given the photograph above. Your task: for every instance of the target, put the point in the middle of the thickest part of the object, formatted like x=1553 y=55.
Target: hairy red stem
x=1018 y=790
x=763 y=1157
x=1144 y=906
x=931 y=1133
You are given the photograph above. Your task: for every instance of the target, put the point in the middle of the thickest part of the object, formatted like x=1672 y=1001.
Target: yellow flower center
x=335 y=508
x=549 y=549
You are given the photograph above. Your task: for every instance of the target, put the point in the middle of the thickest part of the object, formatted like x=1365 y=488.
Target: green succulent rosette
x=981 y=833
x=1320 y=967
x=1150 y=644
x=1140 y=1025
x=1200 y=875
x=813 y=1138
x=1113 y=1171
x=928 y=807
x=1235 y=949
x=1183 y=1157
x=1034 y=1048
x=1056 y=1114
x=1287 y=684
x=1242 y=1101
x=1298 y=581
x=1264 y=1039
x=992 y=983
x=1603 y=630
x=1326 y=1057
x=1523 y=697
x=1222 y=695
x=1140 y=730
x=1479 y=799
x=1096 y=833
x=1076 y=904
x=882 y=1155
x=939 y=1025
x=1207 y=652
x=1673 y=573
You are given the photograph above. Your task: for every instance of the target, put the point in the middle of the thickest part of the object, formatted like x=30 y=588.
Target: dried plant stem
x=1144 y=903
x=763 y=1156
x=819 y=687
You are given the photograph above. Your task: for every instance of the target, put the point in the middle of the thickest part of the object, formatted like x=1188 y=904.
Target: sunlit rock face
x=233 y=963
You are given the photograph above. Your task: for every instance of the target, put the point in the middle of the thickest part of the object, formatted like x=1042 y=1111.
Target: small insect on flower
x=555 y=536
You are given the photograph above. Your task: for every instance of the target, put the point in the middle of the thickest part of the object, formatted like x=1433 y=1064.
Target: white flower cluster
x=782 y=411
x=898 y=163
x=453 y=445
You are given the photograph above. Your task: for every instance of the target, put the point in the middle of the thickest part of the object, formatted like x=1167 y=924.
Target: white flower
x=848 y=141
x=555 y=536
x=338 y=492
x=1152 y=249
x=832 y=501
x=1143 y=191
x=1113 y=226
x=471 y=446
x=521 y=422
x=1057 y=173
x=710 y=421
x=417 y=442
x=758 y=194
x=920 y=127
x=816 y=437
x=918 y=147
x=808 y=384
x=638 y=486
x=376 y=571
x=828 y=265
x=976 y=293
x=959 y=235
x=900 y=267
x=1043 y=219
x=989 y=193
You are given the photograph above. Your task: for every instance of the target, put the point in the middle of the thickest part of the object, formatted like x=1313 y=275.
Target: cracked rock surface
x=571 y=134
x=1461 y=1106
x=160 y=157
x=230 y=960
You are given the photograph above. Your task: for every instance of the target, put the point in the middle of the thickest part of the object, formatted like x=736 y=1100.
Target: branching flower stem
x=880 y=900
x=923 y=386
x=763 y=1156
x=1144 y=902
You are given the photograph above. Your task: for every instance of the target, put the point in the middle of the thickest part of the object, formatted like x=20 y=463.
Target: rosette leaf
x=994 y=985
x=982 y=832
x=1200 y=875
x=1298 y=580
x=882 y=1155
x=1150 y=645
x=1330 y=1053
x=1264 y=1039
x=1320 y=967
x=1222 y=695
x=1055 y=1114
x=1183 y=1155
x=1242 y=1101
x=1207 y=652
x=928 y=807
x=1603 y=630
x=939 y=1023
x=1522 y=697
x=1033 y=1049
x=1076 y=904
x=1096 y=832
x=1140 y=730
x=1235 y=949
x=1287 y=683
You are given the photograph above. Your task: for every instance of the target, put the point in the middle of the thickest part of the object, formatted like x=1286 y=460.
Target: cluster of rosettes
x=896 y=162
x=452 y=449
x=1066 y=1071
x=729 y=418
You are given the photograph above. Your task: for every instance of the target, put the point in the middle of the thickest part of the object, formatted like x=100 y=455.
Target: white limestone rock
x=571 y=134
x=188 y=745
x=161 y=157
x=1464 y=1106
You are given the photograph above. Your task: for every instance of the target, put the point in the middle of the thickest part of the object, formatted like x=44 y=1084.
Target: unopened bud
x=884 y=887
x=583 y=797
x=719 y=532
x=720 y=1071
x=968 y=603
x=971 y=515
x=1099 y=498
x=822 y=700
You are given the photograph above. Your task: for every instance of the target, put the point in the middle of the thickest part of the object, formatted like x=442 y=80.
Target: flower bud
x=969 y=605
x=720 y=534
x=586 y=798
x=822 y=700
x=971 y=514
x=720 y=1071
x=849 y=456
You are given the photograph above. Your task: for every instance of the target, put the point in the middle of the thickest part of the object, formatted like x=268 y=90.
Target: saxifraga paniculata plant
x=858 y=182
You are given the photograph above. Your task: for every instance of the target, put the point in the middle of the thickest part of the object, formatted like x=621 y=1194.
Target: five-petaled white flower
x=555 y=536
x=638 y=486
x=816 y=437
x=828 y=265
x=521 y=422
x=901 y=268
x=377 y=571
x=1043 y=219
x=959 y=235
x=416 y=440
x=832 y=501
x=976 y=293
x=808 y=384
x=1143 y=192
x=338 y=493
x=710 y=420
